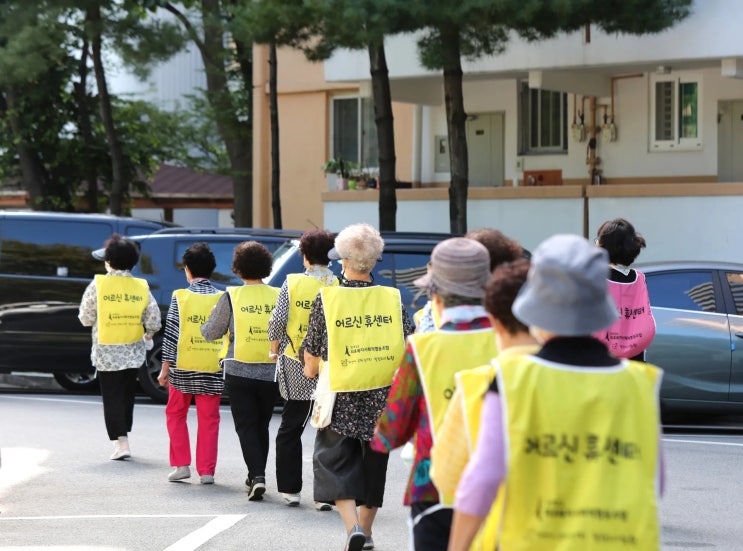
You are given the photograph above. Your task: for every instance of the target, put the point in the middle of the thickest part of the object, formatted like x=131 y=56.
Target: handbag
x=322 y=409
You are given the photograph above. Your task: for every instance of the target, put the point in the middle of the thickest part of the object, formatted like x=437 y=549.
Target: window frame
x=676 y=143
x=526 y=118
x=360 y=125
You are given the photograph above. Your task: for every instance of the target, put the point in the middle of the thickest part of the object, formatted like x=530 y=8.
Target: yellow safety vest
x=251 y=308
x=302 y=291
x=472 y=384
x=194 y=352
x=365 y=336
x=438 y=356
x=121 y=303
x=582 y=456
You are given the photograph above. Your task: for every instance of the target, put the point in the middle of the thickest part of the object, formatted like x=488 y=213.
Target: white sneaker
x=207 y=479
x=121 y=449
x=179 y=473
x=292 y=500
x=320 y=506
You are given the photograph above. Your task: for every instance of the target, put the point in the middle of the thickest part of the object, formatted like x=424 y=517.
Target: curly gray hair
x=360 y=246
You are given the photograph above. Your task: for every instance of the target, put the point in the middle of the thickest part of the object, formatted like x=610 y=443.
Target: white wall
x=526 y=220
x=676 y=228
x=198 y=218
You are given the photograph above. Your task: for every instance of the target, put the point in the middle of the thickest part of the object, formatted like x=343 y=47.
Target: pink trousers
x=207 y=435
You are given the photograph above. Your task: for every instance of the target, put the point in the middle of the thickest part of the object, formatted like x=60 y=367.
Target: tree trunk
x=32 y=170
x=118 y=191
x=274 y=115
x=455 y=123
x=385 y=137
x=86 y=130
x=235 y=133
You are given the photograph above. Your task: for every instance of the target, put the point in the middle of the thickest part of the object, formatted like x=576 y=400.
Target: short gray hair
x=360 y=246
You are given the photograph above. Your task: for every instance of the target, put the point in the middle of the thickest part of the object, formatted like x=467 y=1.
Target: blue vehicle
x=45 y=266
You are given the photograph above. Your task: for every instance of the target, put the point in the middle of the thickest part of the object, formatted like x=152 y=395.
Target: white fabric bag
x=322 y=409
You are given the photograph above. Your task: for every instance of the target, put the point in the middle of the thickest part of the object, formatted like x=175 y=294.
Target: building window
x=355 y=131
x=543 y=120
x=674 y=118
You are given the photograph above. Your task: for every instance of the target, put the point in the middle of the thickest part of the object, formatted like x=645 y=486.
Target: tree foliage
x=52 y=137
x=364 y=24
x=228 y=63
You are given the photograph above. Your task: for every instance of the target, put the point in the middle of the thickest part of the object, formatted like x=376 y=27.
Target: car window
x=735 y=280
x=409 y=266
x=52 y=247
x=384 y=271
x=692 y=290
x=223 y=252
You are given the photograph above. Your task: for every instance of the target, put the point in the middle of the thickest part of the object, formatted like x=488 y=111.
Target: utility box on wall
x=543 y=177
x=441 y=154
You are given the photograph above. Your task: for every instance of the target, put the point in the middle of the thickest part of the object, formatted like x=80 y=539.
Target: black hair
x=621 y=241
x=315 y=244
x=199 y=259
x=121 y=253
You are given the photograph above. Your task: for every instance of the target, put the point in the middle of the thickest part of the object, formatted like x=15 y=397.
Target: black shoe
x=256 y=488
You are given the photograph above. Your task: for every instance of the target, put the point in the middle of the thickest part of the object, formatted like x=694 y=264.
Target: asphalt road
x=59 y=491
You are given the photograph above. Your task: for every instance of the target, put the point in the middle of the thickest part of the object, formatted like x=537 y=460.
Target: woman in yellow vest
x=249 y=371
x=191 y=368
x=572 y=433
x=123 y=314
x=456 y=438
x=500 y=248
x=286 y=330
x=424 y=380
x=357 y=330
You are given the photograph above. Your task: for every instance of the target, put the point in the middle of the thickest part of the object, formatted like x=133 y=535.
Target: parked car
x=160 y=264
x=698 y=310
x=45 y=265
x=404 y=260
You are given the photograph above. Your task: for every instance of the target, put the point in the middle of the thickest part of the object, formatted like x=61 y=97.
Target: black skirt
x=347 y=468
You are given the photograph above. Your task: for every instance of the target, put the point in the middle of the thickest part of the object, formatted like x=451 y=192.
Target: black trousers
x=251 y=402
x=289 y=445
x=431 y=532
x=118 y=389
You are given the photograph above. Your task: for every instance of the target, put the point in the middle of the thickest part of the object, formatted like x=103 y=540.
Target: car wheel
x=80 y=382
x=148 y=374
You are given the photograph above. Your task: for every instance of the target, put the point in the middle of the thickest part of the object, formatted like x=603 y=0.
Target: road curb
x=37 y=381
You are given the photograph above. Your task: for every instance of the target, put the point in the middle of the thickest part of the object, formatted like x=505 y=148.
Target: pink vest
x=633 y=332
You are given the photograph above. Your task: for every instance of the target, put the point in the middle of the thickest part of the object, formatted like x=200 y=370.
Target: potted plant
x=333 y=168
x=355 y=175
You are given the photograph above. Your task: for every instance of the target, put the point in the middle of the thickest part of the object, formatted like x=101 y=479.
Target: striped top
x=188 y=382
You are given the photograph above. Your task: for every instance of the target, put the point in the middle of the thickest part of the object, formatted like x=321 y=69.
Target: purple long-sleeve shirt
x=486 y=470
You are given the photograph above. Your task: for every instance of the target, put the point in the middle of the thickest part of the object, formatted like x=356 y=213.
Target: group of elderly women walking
x=528 y=433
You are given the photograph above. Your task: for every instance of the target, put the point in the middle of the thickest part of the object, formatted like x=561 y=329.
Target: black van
x=45 y=265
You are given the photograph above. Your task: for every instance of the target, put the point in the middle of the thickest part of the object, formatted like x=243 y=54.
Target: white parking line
x=190 y=542
x=199 y=537
x=706 y=442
